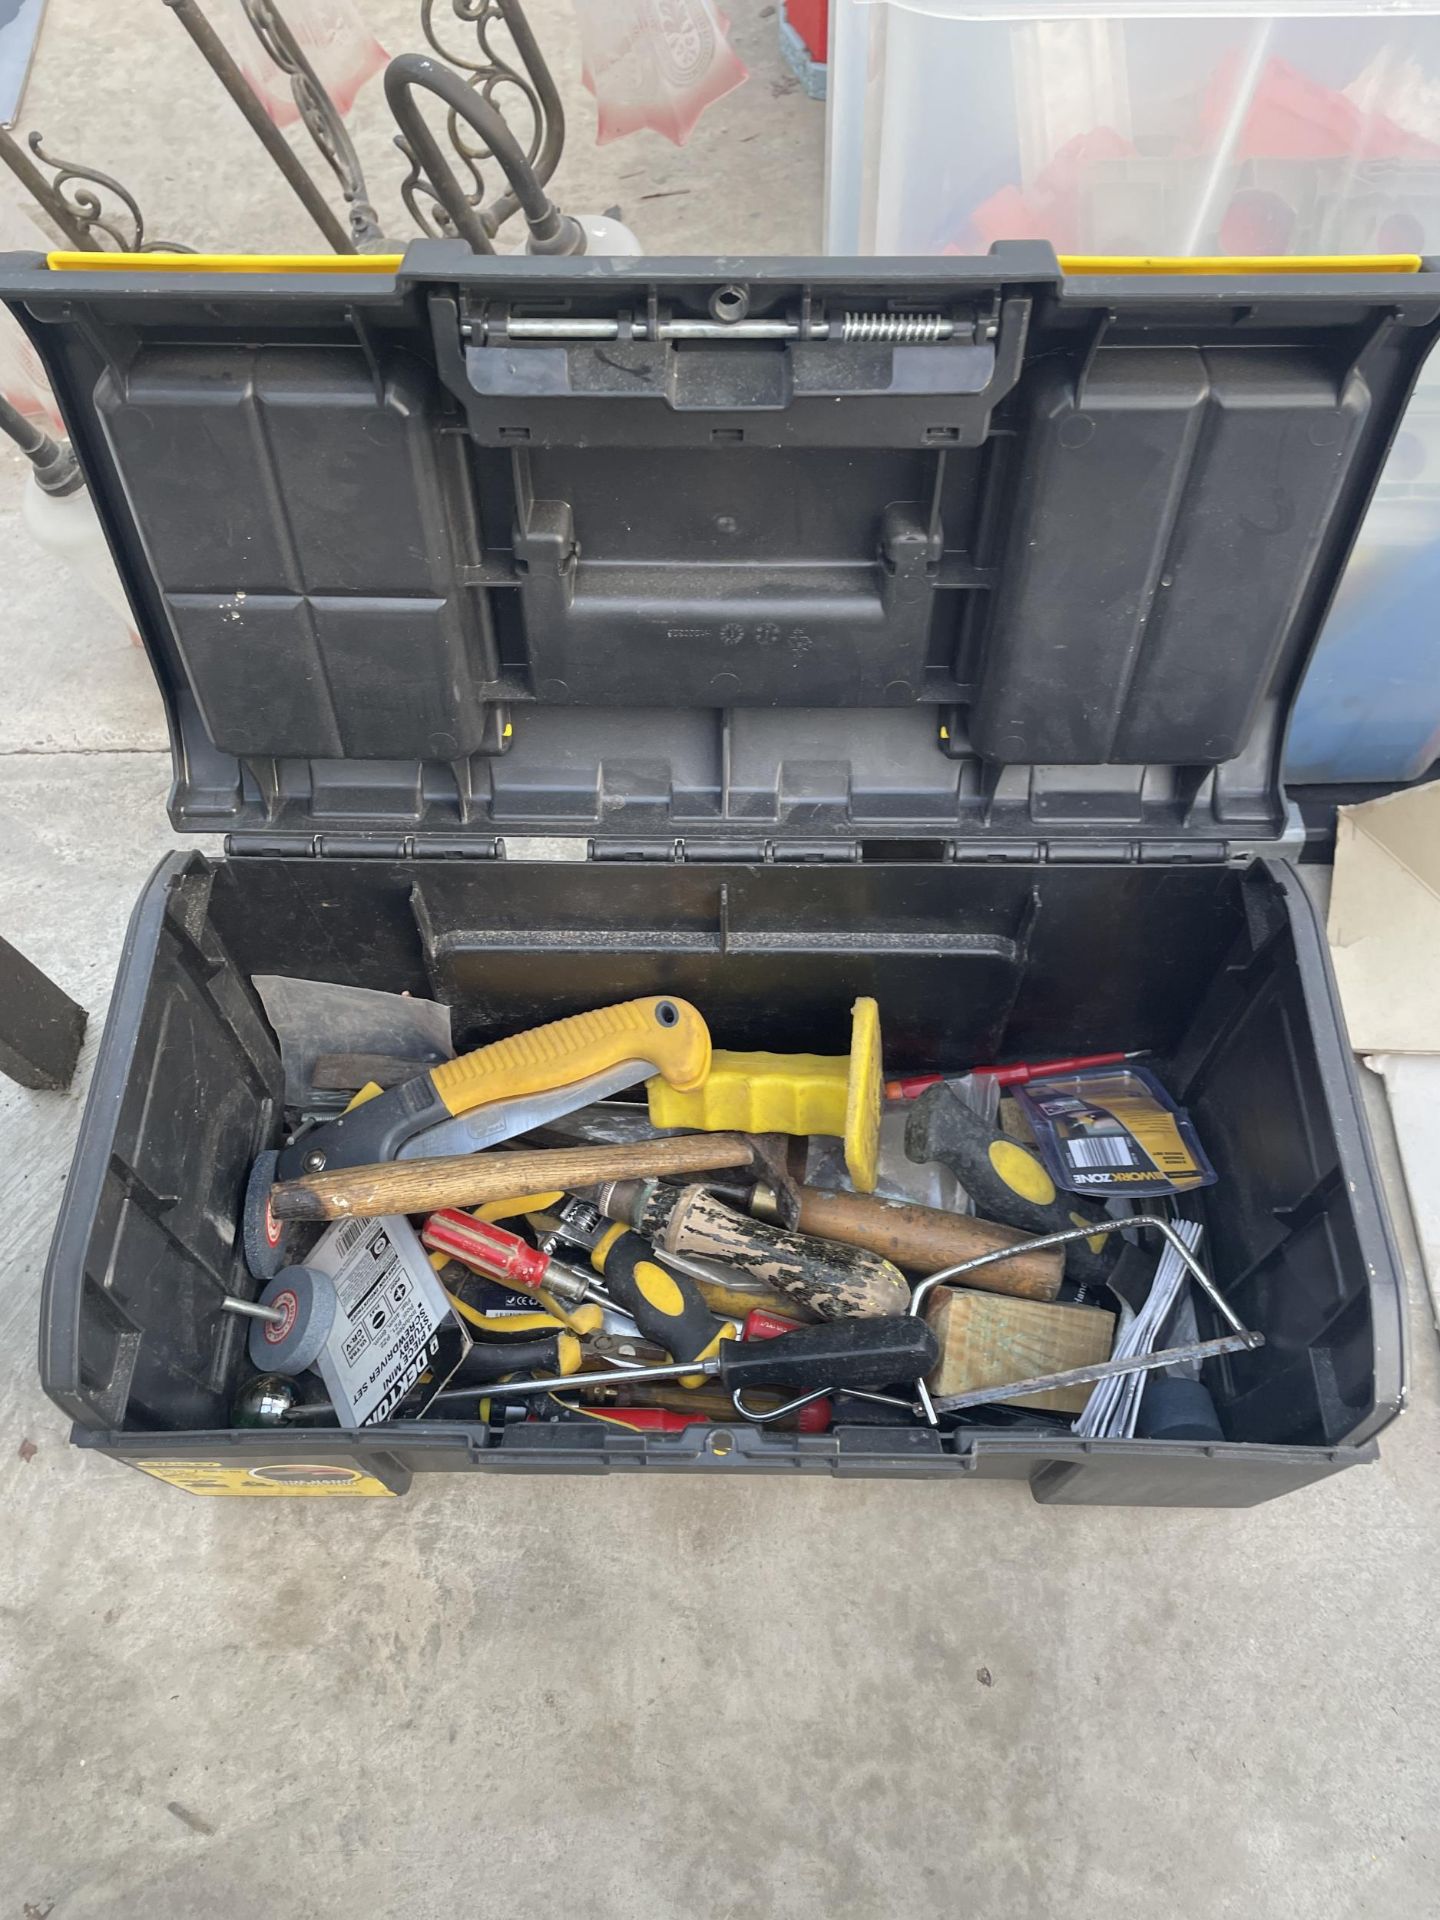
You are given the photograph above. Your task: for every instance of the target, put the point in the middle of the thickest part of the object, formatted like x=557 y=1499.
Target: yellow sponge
x=791 y=1093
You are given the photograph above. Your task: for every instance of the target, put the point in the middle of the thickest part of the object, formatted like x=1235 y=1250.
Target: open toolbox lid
x=731 y=558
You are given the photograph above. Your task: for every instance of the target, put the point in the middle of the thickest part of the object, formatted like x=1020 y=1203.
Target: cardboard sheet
x=1385 y=921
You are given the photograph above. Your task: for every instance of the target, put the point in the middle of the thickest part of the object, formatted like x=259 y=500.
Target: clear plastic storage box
x=1127 y=129
x=1155 y=129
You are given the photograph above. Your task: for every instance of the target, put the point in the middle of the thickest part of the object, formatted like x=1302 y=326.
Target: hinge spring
x=914 y=328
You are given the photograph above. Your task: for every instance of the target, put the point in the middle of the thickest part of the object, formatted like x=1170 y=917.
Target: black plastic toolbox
x=918 y=629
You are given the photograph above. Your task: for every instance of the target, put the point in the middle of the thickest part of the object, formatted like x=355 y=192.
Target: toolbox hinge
x=1099 y=852
x=355 y=846
x=1109 y=853
x=502 y=323
x=754 y=853
x=1189 y=853
x=634 y=850
x=969 y=852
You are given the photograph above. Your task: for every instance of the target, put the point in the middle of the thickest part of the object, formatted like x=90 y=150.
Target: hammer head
x=775 y=1191
x=769 y=1187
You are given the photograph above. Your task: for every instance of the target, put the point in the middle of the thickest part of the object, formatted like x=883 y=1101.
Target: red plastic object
x=762 y=1324
x=811 y=20
x=812 y=1419
x=1281 y=113
x=649 y=1419
x=1289 y=116
x=485 y=1248
x=1050 y=206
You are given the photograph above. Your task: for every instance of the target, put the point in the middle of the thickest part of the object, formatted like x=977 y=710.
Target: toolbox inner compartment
x=1202 y=964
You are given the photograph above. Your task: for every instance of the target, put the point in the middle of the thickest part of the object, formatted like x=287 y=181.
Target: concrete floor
x=626 y=1697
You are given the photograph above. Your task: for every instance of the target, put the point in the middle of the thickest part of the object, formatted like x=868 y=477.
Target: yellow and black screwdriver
x=667 y=1308
x=631 y=1269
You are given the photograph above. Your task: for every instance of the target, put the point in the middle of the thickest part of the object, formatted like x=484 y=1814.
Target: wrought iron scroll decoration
x=497 y=77
x=73 y=198
x=95 y=212
x=321 y=119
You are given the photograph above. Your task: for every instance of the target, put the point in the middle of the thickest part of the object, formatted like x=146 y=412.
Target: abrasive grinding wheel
x=265 y=1238
x=307 y=1300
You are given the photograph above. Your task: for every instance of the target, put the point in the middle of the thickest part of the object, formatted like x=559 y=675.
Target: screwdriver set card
x=367 y=1312
x=1114 y=1131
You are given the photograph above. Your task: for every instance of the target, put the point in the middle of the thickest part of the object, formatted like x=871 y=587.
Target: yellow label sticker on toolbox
x=282 y=1477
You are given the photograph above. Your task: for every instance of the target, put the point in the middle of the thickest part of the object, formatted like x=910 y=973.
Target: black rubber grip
x=375 y=1130
x=1005 y=1180
x=493 y=1360
x=667 y=1307
x=844 y=1353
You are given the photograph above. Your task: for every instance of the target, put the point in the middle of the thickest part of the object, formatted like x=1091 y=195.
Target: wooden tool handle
x=832 y=1282
x=925 y=1239
x=467 y=1179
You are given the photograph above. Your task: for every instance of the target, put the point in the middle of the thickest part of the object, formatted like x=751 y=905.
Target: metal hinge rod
x=914 y=329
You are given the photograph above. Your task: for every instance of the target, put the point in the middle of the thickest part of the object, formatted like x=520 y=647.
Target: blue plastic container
x=1370 y=705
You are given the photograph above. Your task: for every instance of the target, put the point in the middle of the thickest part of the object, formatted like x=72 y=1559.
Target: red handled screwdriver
x=501 y=1255
x=909 y=1086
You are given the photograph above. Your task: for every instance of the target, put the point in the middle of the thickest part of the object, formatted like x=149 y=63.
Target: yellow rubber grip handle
x=496 y=1210
x=759 y=1093
x=660 y=1289
x=666 y=1032
x=582 y=1320
x=586 y=1319
x=791 y=1093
